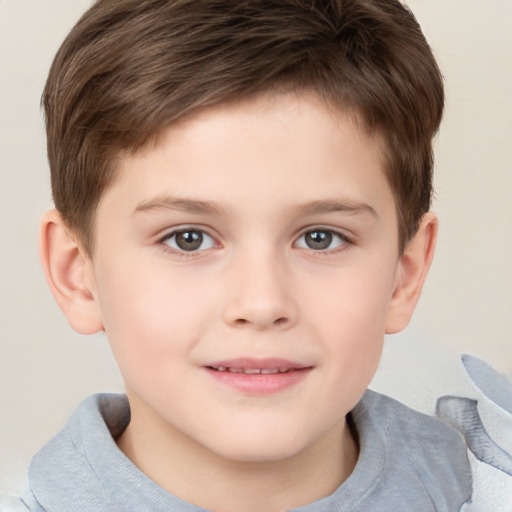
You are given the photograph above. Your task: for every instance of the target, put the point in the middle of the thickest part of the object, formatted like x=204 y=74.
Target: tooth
x=221 y=369
x=269 y=371
x=251 y=370
x=236 y=370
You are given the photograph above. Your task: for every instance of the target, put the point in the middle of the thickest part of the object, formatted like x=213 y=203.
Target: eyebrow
x=211 y=208
x=334 y=205
x=179 y=204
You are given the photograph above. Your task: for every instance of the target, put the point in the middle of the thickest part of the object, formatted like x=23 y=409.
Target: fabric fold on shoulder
x=482 y=412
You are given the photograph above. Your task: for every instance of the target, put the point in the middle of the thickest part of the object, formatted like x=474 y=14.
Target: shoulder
x=68 y=469
x=468 y=445
x=422 y=460
x=405 y=427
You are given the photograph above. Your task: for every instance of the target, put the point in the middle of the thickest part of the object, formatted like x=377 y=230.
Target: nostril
x=278 y=322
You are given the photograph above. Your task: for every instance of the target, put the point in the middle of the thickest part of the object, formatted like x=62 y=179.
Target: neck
x=208 y=480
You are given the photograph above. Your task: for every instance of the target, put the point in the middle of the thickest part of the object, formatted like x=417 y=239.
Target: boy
x=242 y=195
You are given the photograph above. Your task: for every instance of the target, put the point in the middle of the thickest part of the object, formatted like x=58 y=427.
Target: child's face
x=260 y=236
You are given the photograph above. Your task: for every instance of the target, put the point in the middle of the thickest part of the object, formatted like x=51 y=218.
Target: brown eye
x=189 y=240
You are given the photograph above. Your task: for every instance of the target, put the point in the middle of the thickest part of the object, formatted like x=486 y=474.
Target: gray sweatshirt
x=408 y=462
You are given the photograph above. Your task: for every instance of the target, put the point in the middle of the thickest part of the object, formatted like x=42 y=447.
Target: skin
x=259 y=180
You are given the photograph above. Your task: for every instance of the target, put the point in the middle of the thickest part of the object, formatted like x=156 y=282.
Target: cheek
x=153 y=318
x=352 y=317
x=355 y=300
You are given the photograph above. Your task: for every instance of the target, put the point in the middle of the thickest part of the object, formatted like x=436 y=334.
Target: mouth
x=253 y=371
x=252 y=366
x=258 y=376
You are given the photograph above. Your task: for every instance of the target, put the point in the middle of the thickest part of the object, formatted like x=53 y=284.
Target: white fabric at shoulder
x=482 y=411
x=12 y=504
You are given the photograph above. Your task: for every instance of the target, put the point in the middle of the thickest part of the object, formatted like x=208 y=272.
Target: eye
x=189 y=240
x=321 y=240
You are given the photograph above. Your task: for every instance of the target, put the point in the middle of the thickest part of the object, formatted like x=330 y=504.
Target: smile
x=258 y=376
x=253 y=371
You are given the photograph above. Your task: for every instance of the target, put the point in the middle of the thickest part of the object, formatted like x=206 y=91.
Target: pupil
x=318 y=239
x=189 y=240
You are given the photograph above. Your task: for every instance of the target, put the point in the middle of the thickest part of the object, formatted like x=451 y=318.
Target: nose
x=260 y=294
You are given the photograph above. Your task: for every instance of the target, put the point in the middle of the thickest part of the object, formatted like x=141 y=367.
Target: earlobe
x=412 y=272
x=68 y=272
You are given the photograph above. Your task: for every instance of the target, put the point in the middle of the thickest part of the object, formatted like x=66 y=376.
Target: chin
x=260 y=449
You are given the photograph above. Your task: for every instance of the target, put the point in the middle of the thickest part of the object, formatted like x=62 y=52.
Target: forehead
x=265 y=107
x=283 y=148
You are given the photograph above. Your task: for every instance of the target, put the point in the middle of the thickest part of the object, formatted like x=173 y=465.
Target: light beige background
x=45 y=368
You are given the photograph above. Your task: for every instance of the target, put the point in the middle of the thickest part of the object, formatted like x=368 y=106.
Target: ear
x=412 y=270
x=70 y=274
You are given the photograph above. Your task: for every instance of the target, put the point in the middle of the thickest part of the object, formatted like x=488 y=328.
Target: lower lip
x=259 y=383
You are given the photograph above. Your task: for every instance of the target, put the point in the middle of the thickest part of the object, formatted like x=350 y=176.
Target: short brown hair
x=129 y=68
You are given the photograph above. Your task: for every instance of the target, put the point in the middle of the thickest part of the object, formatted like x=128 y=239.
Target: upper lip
x=248 y=363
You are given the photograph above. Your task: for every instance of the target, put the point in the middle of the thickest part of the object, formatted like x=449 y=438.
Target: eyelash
x=343 y=244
